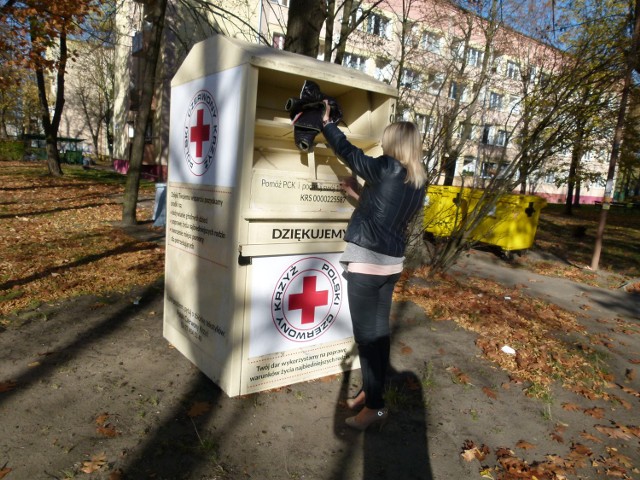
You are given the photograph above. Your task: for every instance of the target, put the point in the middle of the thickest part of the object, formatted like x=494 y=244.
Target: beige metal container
x=254 y=293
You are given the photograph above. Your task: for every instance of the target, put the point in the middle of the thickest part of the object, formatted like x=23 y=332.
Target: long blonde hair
x=402 y=141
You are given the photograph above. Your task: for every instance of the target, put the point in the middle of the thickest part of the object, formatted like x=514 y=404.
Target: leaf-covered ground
x=61 y=239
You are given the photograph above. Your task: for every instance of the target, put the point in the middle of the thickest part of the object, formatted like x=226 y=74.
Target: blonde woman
x=393 y=193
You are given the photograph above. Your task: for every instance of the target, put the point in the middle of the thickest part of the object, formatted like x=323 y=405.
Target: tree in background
x=39 y=30
x=155 y=12
x=19 y=102
x=170 y=29
x=91 y=87
x=628 y=185
x=614 y=28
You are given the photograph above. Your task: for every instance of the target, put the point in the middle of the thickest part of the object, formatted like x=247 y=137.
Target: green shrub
x=11 y=150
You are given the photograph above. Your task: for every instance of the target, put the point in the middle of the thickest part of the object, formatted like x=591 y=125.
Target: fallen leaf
x=613 y=432
x=489 y=393
x=107 y=431
x=199 y=408
x=7 y=386
x=571 y=407
x=595 y=412
x=591 y=437
x=406 y=350
x=504 y=452
x=486 y=473
x=95 y=464
x=116 y=475
x=470 y=455
x=412 y=384
x=630 y=374
x=460 y=376
x=557 y=437
x=630 y=391
x=525 y=445
x=616 y=472
x=102 y=418
x=621 y=401
x=470 y=452
x=4 y=472
x=620 y=458
x=581 y=449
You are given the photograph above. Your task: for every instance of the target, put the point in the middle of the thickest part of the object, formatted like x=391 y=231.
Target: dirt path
x=91 y=385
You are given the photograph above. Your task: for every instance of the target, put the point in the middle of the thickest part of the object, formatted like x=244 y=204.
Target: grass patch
x=572 y=239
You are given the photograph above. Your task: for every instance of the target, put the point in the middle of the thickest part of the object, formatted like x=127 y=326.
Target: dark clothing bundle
x=306 y=114
x=386 y=203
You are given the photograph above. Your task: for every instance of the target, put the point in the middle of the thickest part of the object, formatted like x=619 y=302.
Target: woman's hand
x=327 y=111
x=350 y=187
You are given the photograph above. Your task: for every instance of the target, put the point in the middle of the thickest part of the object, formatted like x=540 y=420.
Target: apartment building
x=462 y=79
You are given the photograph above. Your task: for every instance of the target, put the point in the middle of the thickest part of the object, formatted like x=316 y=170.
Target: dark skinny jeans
x=370 y=305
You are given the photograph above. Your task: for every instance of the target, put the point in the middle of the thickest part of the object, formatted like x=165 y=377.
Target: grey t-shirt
x=356 y=254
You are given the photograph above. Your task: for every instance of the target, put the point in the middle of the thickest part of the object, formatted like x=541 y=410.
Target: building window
x=410 y=79
x=431 y=42
x=489 y=170
x=486 y=135
x=495 y=101
x=411 y=35
x=404 y=115
x=424 y=123
x=460 y=132
x=455 y=90
x=378 y=25
x=278 y=41
x=469 y=166
x=501 y=138
x=357 y=62
x=383 y=71
x=513 y=70
x=514 y=103
x=475 y=57
x=457 y=50
x=435 y=82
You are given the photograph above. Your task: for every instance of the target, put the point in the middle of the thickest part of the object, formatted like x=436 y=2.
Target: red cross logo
x=199 y=133
x=309 y=299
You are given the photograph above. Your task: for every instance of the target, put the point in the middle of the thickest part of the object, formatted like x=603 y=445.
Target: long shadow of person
x=400 y=449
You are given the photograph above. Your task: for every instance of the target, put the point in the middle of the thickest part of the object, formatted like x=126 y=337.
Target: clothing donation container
x=254 y=292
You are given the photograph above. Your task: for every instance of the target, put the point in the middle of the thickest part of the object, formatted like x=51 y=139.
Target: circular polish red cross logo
x=307 y=299
x=200 y=133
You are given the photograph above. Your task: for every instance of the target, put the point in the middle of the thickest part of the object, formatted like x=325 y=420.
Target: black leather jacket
x=386 y=203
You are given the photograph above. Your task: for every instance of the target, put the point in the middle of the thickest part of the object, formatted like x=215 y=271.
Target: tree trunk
x=573 y=168
x=617 y=138
x=155 y=14
x=345 y=30
x=49 y=124
x=328 y=35
x=304 y=24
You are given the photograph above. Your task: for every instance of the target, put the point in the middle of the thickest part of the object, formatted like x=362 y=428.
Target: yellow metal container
x=513 y=223
x=446 y=208
x=510 y=225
